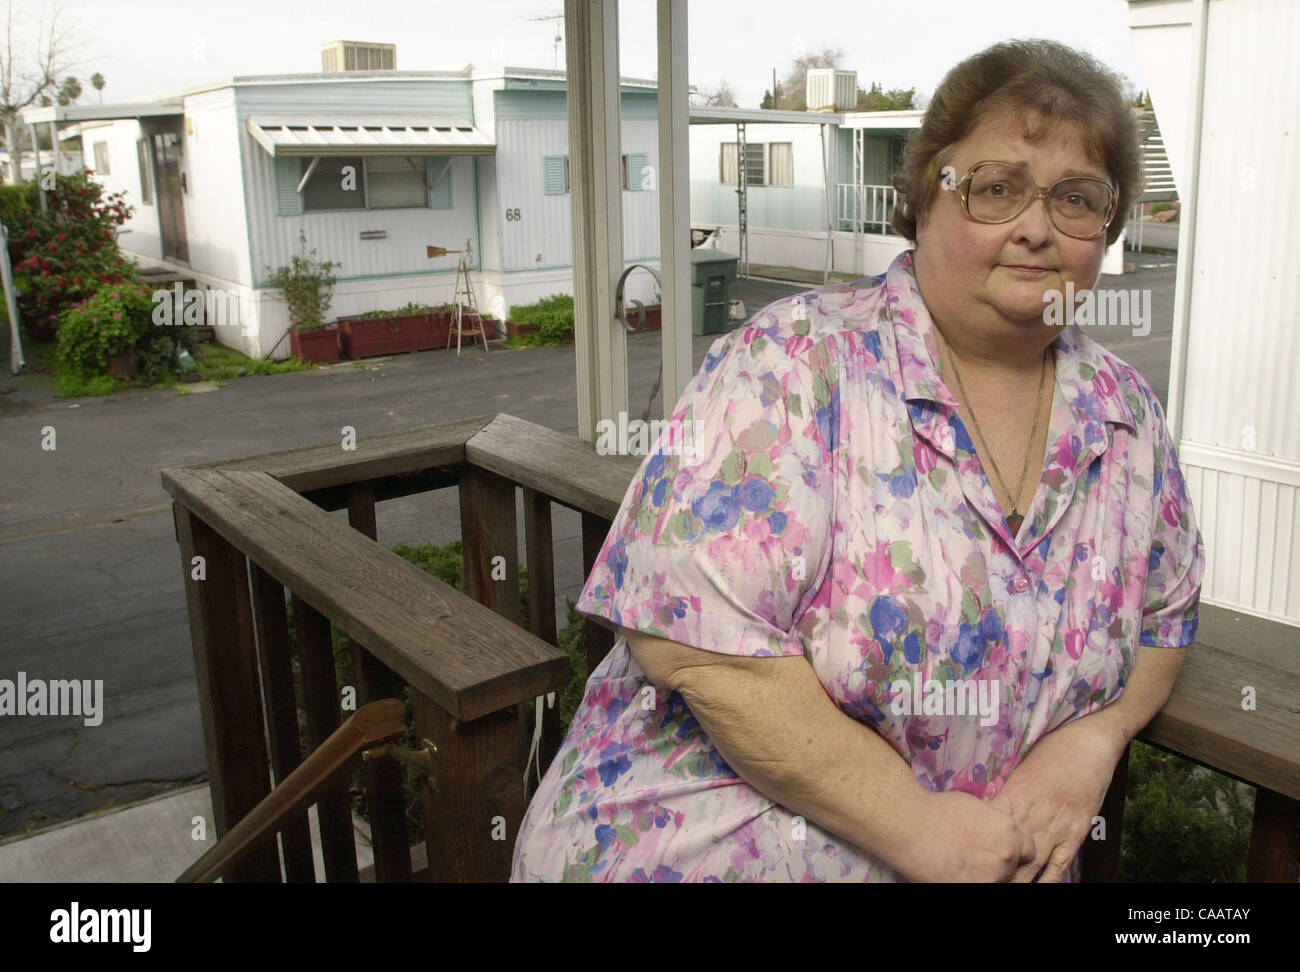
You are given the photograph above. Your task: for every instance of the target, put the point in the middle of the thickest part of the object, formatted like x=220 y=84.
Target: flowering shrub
x=114 y=320
x=67 y=254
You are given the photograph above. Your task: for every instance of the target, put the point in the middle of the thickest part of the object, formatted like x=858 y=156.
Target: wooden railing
x=261 y=527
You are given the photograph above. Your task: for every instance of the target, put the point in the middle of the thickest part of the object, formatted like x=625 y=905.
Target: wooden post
x=472 y=819
x=275 y=656
x=1274 y=838
x=384 y=778
x=225 y=667
x=321 y=699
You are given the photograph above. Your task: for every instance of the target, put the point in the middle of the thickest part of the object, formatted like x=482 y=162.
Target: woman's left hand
x=1057 y=790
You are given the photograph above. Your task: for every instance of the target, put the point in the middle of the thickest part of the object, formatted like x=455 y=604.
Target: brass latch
x=420 y=760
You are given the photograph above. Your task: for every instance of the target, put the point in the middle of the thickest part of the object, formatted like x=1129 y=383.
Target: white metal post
x=593 y=93
x=674 y=203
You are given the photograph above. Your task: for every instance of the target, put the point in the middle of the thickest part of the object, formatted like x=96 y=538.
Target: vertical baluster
x=321 y=699
x=275 y=656
x=225 y=667
x=599 y=639
x=538 y=544
x=488 y=531
x=384 y=778
x=1274 y=838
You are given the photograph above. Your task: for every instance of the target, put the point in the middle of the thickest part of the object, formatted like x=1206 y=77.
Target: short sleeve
x=1176 y=562
x=725 y=533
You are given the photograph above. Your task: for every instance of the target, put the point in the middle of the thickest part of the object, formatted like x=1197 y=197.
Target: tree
x=794 y=90
x=24 y=84
x=895 y=99
x=723 y=96
x=69 y=91
x=97 y=82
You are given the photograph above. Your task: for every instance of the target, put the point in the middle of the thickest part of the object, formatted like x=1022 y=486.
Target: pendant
x=1014 y=521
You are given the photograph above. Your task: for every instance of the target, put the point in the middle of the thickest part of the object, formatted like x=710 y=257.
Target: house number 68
x=513 y=214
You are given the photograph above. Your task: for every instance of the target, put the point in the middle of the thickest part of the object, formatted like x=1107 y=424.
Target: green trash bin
x=712 y=272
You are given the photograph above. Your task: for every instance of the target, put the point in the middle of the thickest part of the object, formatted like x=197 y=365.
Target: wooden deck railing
x=261 y=526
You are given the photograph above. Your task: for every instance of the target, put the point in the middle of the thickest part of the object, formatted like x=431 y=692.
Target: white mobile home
x=372 y=167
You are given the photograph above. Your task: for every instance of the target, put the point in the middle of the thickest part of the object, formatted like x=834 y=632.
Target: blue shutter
x=636 y=162
x=553 y=175
x=440 y=183
x=288 y=171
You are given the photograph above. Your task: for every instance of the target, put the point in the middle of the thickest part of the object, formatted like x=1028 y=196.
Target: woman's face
x=967 y=269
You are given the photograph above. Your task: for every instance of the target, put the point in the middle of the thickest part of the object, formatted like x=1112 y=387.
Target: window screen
x=396 y=182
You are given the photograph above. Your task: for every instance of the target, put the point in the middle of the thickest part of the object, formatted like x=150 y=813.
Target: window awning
x=300 y=135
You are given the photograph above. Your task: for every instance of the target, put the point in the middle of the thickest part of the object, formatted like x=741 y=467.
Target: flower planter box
x=319 y=346
x=368 y=338
x=520 y=330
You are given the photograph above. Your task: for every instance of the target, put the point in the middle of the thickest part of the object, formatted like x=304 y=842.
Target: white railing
x=869 y=207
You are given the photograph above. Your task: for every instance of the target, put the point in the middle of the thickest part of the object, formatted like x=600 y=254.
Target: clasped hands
x=1036 y=823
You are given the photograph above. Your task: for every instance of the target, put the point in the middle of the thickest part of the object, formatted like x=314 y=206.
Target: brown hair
x=1019 y=80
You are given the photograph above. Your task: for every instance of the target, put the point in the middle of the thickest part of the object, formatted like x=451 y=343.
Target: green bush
x=1182 y=822
x=16 y=204
x=306 y=285
x=67 y=254
x=410 y=310
x=554 y=319
x=112 y=321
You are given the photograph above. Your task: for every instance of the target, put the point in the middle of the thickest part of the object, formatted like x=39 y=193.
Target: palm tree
x=97 y=82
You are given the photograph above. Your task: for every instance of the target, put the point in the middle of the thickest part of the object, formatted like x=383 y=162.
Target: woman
x=858 y=642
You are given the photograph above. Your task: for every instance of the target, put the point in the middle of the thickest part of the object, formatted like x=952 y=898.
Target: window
x=396 y=182
x=146 y=172
x=634 y=166
x=101 y=159
x=362 y=182
x=766 y=164
x=336 y=183
x=440 y=183
x=555 y=174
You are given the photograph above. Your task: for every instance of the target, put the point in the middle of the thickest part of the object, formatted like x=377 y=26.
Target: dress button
x=1020 y=584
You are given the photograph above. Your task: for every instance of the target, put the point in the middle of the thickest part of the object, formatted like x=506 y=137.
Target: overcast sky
x=147 y=48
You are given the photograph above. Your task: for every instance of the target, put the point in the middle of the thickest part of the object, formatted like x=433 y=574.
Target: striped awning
x=299 y=135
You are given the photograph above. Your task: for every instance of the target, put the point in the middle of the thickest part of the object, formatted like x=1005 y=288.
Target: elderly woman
x=858 y=641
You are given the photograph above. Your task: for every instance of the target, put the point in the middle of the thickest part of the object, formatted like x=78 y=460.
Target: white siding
x=1240 y=425
x=797 y=207
x=273 y=239
x=140 y=234
x=215 y=228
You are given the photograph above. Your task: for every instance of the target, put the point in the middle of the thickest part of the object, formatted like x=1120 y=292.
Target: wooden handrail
x=269 y=509
x=338 y=754
x=483 y=662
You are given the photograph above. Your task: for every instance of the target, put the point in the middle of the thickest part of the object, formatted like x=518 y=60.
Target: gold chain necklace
x=1015 y=518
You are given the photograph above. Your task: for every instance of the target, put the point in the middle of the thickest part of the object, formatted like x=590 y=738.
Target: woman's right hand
x=960 y=838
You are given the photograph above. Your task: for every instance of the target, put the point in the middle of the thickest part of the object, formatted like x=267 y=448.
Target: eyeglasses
x=998 y=192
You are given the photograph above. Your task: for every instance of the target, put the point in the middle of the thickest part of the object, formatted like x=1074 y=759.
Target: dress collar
x=1085 y=374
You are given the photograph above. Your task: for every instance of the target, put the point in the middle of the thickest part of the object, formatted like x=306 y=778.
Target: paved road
x=90 y=578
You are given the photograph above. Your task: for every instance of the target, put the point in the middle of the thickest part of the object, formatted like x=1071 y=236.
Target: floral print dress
x=834 y=507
